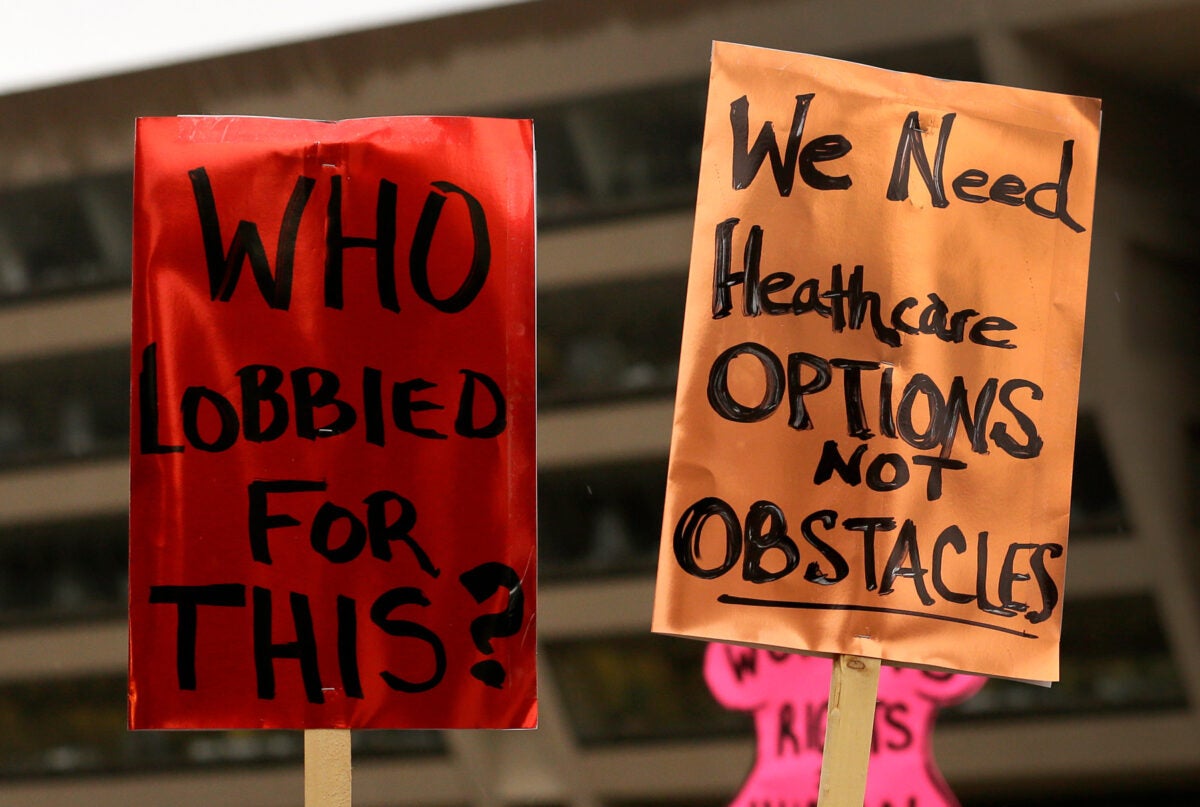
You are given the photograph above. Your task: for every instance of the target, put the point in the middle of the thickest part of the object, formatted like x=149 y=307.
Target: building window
x=605 y=519
x=638 y=151
x=65 y=407
x=623 y=688
x=1096 y=504
x=70 y=570
x=609 y=341
x=619 y=154
x=1114 y=658
x=601 y=519
x=642 y=687
x=76 y=727
x=66 y=236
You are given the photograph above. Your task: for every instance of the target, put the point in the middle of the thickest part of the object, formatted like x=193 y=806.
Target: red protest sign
x=332 y=459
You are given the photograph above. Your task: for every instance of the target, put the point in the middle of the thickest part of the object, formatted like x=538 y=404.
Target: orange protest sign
x=875 y=416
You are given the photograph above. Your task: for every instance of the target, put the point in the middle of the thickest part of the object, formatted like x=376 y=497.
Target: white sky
x=47 y=42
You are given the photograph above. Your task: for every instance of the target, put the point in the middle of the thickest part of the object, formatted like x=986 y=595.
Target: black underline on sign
x=730 y=599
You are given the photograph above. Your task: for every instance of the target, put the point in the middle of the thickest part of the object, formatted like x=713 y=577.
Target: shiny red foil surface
x=333 y=398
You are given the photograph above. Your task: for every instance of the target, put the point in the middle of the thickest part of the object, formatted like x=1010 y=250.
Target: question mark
x=482 y=582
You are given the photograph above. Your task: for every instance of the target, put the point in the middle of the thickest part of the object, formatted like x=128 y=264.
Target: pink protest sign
x=788 y=695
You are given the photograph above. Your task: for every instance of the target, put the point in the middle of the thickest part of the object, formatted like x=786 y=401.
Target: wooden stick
x=852 y=692
x=327 y=768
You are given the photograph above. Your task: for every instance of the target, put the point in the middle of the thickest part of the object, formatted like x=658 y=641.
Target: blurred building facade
x=616 y=89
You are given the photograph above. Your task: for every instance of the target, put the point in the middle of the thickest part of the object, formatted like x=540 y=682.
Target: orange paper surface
x=875 y=417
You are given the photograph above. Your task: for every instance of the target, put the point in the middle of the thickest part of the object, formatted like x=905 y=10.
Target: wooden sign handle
x=327 y=768
x=851 y=719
